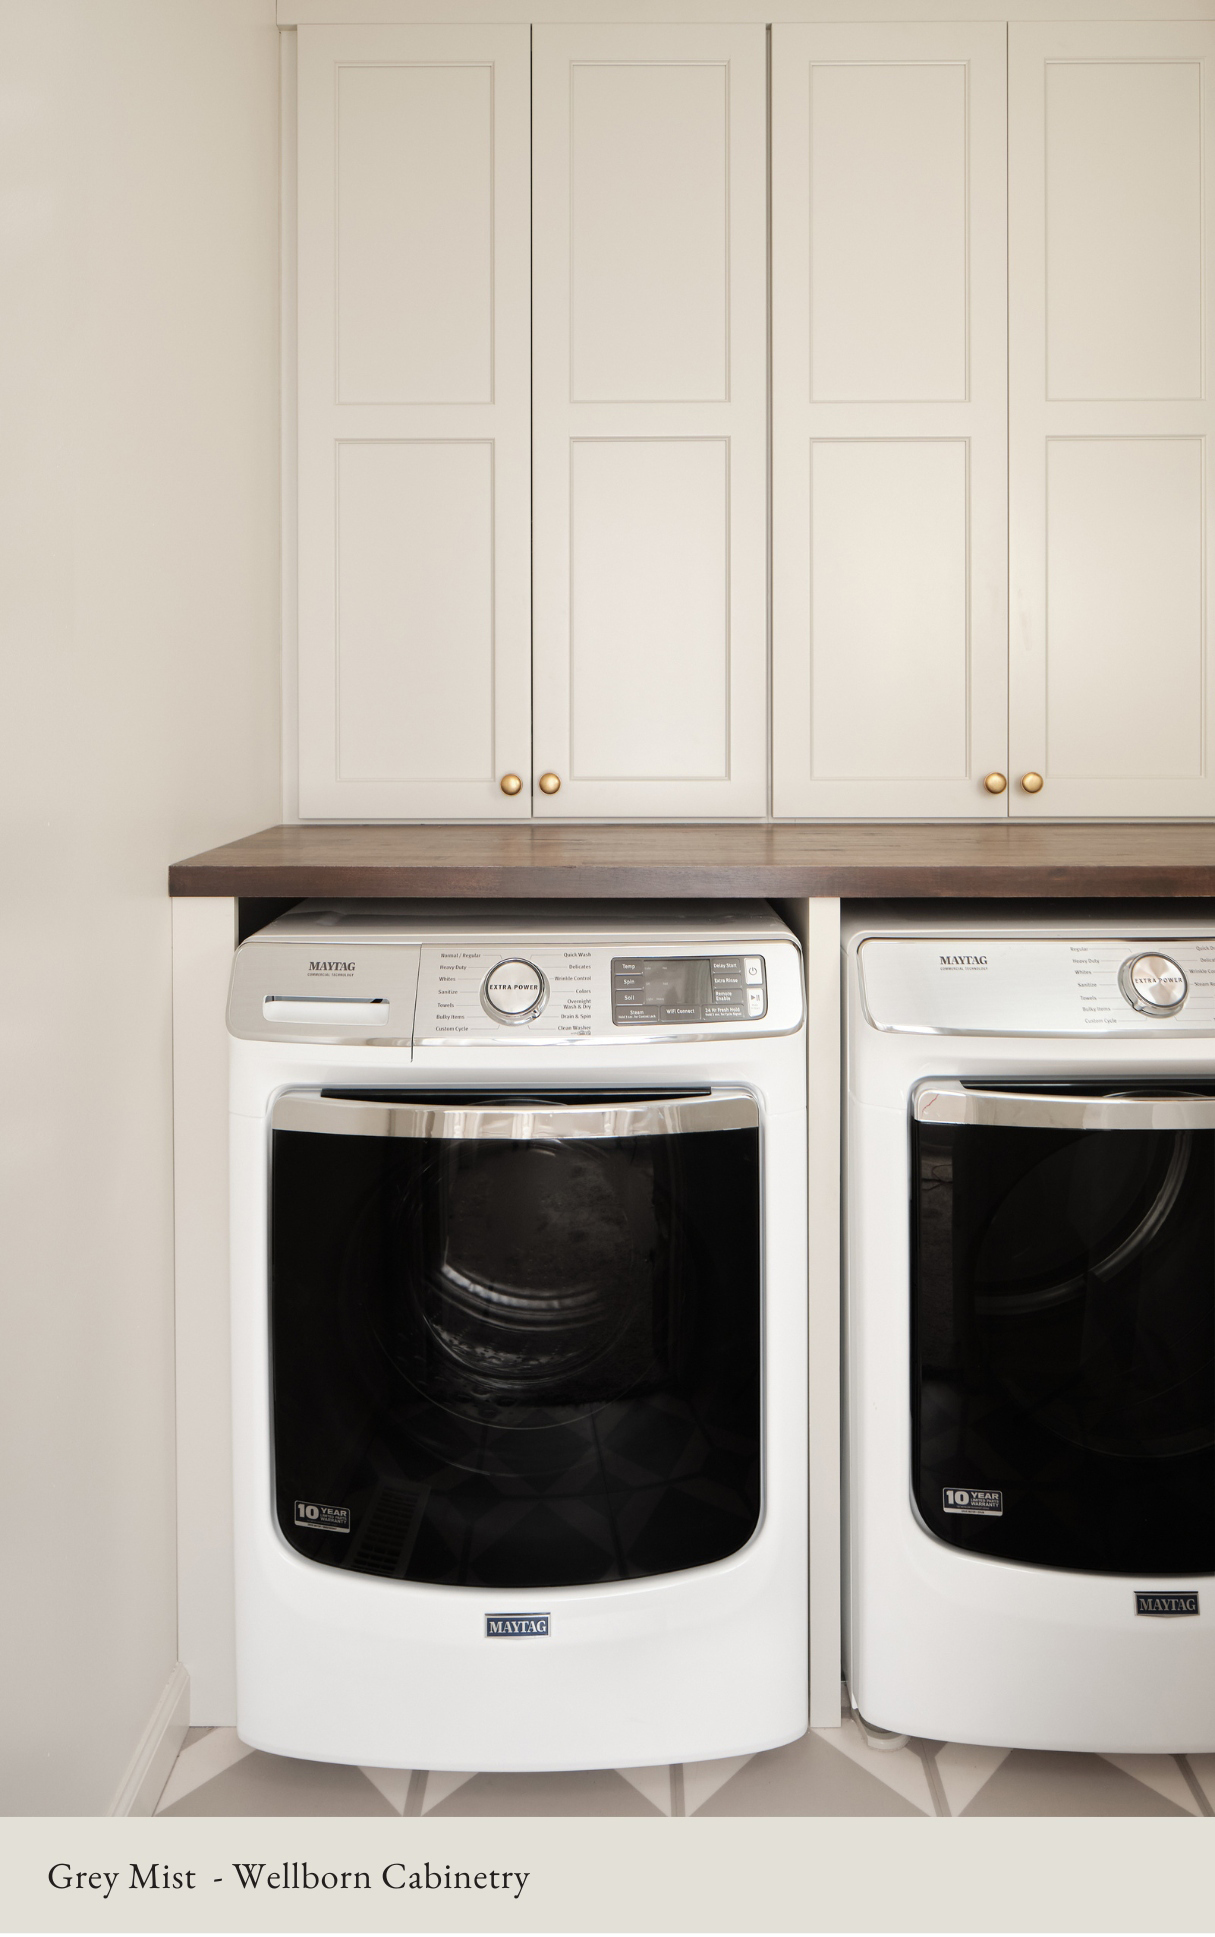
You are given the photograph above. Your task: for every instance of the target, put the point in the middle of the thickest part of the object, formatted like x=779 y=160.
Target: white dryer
x=519 y=1345
x=1030 y=1235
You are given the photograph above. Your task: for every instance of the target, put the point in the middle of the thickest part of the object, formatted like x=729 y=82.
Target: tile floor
x=829 y=1772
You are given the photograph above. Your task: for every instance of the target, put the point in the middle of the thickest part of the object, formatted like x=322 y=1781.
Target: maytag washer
x=519 y=1334
x=1030 y=1181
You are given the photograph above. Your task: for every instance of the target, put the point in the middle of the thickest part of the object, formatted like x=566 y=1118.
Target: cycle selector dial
x=1153 y=984
x=514 y=991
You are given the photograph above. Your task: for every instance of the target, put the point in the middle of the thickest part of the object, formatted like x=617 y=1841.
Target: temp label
x=515 y=1626
x=1183 y=1603
x=984 y=1500
x=322 y=1519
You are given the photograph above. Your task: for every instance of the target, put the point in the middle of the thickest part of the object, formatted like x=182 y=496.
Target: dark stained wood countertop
x=849 y=859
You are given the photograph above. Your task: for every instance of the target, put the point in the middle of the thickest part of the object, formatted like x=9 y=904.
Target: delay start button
x=1153 y=984
x=515 y=991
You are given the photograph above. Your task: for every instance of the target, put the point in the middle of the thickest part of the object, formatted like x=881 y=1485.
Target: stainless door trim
x=526 y=1122
x=949 y=1102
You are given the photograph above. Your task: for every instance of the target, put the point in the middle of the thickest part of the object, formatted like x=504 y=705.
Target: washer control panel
x=540 y=992
x=502 y=990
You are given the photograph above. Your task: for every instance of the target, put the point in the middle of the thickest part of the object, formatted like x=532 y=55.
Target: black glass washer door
x=515 y=1342
x=1063 y=1329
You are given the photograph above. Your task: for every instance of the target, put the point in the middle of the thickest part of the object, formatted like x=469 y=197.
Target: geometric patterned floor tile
x=964 y=1769
x=204 y=1754
x=702 y=1780
x=1202 y=1768
x=1050 y=1782
x=900 y=1767
x=282 y=1785
x=394 y=1785
x=1164 y=1774
x=578 y=1792
x=809 y=1778
x=439 y=1785
x=655 y=1782
x=829 y=1772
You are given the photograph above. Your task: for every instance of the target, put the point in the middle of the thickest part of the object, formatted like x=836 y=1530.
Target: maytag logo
x=1183 y=1603
x=514 y=1626
x=331 y=968
x=963 y=961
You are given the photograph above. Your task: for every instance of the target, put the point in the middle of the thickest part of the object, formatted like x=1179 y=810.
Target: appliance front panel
x=1063 y=1326
x=973 y=985
x=508 y=1354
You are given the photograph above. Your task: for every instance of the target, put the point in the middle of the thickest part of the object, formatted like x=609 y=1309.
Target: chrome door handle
x=500 y=1120
x=950 y=1102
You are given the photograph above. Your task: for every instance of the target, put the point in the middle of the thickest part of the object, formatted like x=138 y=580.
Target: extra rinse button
x=515 y=991
x=1153 y=984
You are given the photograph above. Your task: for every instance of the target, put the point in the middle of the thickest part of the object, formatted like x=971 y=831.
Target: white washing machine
x=1030 y=1176
x=519 y=1334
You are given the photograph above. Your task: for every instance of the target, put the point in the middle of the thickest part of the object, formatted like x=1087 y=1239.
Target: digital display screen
x=687 y=988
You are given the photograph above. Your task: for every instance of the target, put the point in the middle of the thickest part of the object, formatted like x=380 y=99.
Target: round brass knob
x=995 y=783
x=550 y=783
x=1033 y=783
x=510 y=783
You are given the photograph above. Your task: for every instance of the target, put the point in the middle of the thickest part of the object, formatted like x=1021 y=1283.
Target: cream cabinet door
x=650 y=507
x=1111 y=205
x=414 y=396
x=889 y=602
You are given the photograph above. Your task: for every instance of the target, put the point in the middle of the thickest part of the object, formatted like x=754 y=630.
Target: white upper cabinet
x=1112 y=199
x=889 y=594
x=414 y=434
x=650 y=420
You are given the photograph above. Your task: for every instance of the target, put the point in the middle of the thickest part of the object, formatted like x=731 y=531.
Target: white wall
x=138 y=723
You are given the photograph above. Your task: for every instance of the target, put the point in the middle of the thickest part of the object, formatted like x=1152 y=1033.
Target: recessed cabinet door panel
x=414 y=397
x=662 y=503
x=888 y=297
x=1110 y=244
x=889 y=419
x=650 y=419
x=888 y=592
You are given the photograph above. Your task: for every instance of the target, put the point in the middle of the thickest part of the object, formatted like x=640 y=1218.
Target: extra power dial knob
x=515 y=991
x=1153 y=984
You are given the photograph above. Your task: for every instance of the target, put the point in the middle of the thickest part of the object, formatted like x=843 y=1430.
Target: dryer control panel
x=1038 y=987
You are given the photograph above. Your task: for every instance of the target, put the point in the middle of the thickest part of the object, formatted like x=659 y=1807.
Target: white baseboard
x=148 y=1770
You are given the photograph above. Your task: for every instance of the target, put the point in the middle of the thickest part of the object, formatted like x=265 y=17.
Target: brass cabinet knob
x=550 y=783
x=1033 y=783
x=995 y=783
x=510 y=783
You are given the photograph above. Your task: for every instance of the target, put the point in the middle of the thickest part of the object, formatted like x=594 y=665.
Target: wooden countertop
x=907 y=859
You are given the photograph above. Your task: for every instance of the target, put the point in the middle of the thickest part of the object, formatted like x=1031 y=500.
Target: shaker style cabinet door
x=650 y=508
x=414 y=396
x=1111 y=254
x=889 y=419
